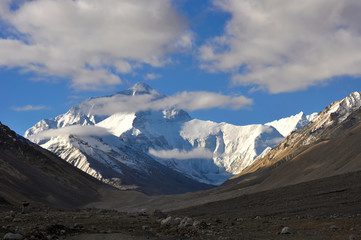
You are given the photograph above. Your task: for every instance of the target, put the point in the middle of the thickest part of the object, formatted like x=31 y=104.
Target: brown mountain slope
x=325 y=158
x=311 y=153
x=30 y=173
x=322 y=197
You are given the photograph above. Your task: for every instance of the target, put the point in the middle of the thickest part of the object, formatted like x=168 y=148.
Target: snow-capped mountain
x=326 y=147
x=111 y=141
x=333 y=121
x=287 y=125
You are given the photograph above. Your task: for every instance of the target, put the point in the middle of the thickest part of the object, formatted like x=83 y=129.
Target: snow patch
x=118 y=123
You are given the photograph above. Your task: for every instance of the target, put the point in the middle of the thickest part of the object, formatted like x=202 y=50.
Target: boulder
x=286 y=230
x=170 y=221
x=12 y=236
x=186 y=222
x=334 y=227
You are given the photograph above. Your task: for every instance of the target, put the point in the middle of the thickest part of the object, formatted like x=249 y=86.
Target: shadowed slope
x=30 y=173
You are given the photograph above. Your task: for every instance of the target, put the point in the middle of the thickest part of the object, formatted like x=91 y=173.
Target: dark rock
x=12 y=236
x=12 y=214
x=159 y=214
x=352 y=237
x=200 y=224
x=16 y=220
x=56 y=229
x=25 y=209
x=78 y=226
x=145 y=227
x=334 y=227
x=19 y=230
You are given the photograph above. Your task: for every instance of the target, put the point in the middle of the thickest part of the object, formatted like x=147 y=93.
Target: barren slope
x=30 y=173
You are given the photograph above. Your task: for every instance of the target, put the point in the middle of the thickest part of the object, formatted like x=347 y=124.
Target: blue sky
x=282 y=57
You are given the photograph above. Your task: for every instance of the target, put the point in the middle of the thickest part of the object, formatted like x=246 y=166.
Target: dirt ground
x=329 y=208
x=108 y=224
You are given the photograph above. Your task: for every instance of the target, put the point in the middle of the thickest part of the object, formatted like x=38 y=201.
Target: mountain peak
x=289 y=124
x=338 y=111
x=139 y=88
x=353 y=100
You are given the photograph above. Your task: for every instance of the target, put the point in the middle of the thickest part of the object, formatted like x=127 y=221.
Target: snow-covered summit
x=347 y=105
x=289 y=124
x=92 y=110
x=338 y=111
x=139 y=89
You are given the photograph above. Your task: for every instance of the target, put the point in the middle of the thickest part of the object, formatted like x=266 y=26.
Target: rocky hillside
x=30 y=173
x=325 y=147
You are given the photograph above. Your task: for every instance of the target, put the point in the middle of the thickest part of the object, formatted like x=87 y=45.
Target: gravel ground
x=329 y=208
x=109 y=224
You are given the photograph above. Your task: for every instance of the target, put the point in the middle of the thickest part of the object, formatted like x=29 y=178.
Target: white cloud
x=286 y=45
x=204 y=100
x=29 y=108
x=197 y=153
x=87 y=40
x=186 y=100
x=186 y=41
x=122 y=66
x=152 y=76
x=71 y=130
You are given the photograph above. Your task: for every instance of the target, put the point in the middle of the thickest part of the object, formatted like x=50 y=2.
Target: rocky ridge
x=320 y=149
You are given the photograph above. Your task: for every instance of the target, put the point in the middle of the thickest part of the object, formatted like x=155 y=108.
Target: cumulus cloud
x=186 y=100
x=197 y=153
x=29 y=108
x=152 y=76
x=90 y=41
x=286 y=46
x=204 y=100
x=186 y=41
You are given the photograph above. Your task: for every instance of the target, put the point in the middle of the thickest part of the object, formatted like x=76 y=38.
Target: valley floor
x=329 y=208
x=106 y=224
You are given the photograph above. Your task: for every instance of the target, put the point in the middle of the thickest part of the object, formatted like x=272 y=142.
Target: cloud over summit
x=154 y=101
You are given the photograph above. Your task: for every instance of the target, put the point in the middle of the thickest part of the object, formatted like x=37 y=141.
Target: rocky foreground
x=91 y=223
